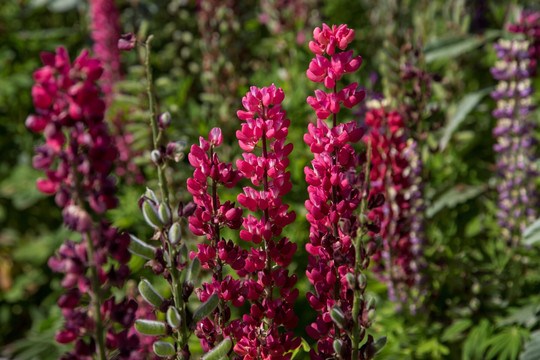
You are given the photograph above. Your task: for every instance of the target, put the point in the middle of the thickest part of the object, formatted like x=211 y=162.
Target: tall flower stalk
x=396 y=173
x=210 y=217
x=515 y=147
x=268 y=285
x=340 y=244
x=77 y=159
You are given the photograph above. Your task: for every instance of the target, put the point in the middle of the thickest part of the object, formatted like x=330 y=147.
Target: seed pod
x=163 y=349
x=175 y=233
x=219 y=351
x=338 y=345
x=164 y=214
x=149 y=193
x=362 y=280
x=350 y=280
x=183 y=255
x=379 y=344
x=371 y=314
x=194 y=269
x=337 y=316
x=205 y=309
x=149 y=294
x=173 y=318
x=371 y=303
x=140 y=248
x=150 y=327
x=150 y=214
x=155 y=155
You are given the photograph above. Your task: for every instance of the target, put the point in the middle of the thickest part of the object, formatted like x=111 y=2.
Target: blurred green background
x=483 y=297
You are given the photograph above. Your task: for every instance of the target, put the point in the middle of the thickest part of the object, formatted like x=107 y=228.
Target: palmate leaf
x=467 y=104
x=531 y=350
x=454 y=46
x=531 y=235
x=506 y=344
x=477 y=341
x=456 y=330
x=454 y=196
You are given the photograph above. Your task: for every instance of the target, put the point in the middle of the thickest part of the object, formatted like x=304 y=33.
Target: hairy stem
x=156 y=132
x=177 y=290
x=358 y=266
x=96 y=299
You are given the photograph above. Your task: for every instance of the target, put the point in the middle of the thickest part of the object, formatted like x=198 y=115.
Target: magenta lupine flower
x=335 y=193
x=210 y=216
x=395 y=172
x=106 y=33
x=259 y=335
x=77 y=159
x=515 y=147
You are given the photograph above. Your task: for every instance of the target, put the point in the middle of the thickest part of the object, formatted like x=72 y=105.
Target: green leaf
x=63 y=5
x=455 y=196
x=532 y=347
x=150 y=327
x=205 y=309
x=304 y=346
x=140 y=248
x=21 y=188
x=531 y=235
x=149 y=294
x=456 y=330
x=525 y=316
x=452 y=47
x=464 y=107
x=163 y=349
x=506 y=344
x=219 y=350
x=477 y=341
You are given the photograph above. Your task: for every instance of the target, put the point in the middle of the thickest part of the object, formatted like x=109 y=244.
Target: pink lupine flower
x=208 y=219
x=266 y=126
x=395 y=172
x=77 y=159
x=335 y=193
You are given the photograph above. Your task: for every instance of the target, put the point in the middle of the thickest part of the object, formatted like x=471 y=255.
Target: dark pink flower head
x=326 y=40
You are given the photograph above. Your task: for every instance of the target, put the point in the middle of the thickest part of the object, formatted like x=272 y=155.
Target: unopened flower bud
x=164 y=120
x=155 y=155
x=362 y=280
x=350 y=280
x=164 y=214
x=175 y=233
x=127 y=41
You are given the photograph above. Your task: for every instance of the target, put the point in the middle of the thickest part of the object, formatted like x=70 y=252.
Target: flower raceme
x=336 y=191
x=209 y=218
x=77 y=159
x=395 y=172
x=264 y=273
x=515 y=147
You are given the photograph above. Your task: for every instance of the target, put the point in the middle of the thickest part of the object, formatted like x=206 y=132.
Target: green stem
x=177 y=291
x=156 y=132
x=359 y=242
x=96 y=299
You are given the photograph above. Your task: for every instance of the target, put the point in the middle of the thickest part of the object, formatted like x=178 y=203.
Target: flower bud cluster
x=395 y=172
x=529 y=25
x=515 y=147
x=264 y=272
x=77 y=159
x=336 y=190
x=210 y=217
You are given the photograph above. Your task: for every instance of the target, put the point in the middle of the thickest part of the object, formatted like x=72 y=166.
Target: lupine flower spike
x=515 y=147
x=339 y=245
x=77 y=159
x=265 y=126
x=395 y=172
